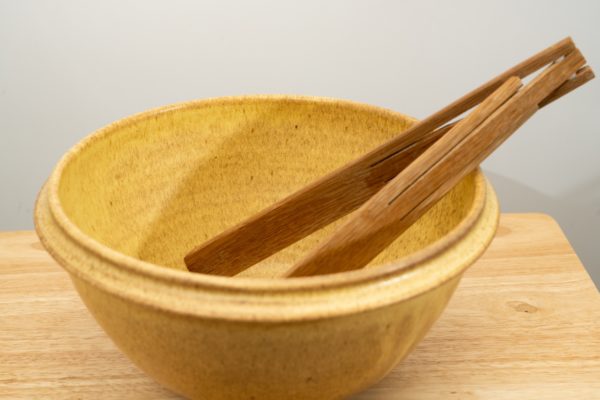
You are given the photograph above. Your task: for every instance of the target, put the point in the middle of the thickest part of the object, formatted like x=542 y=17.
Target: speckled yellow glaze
x=123 y=206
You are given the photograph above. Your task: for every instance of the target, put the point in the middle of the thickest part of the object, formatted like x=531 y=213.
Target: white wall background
x=70 y=67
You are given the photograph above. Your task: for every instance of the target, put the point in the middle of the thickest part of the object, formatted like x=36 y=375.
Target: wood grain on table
x=524 y=323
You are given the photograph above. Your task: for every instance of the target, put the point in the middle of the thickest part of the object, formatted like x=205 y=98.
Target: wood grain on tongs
x=347 y=188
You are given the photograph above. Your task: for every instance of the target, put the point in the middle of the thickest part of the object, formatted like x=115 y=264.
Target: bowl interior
x=155 y=185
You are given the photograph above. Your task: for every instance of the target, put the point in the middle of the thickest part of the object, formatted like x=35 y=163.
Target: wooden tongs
x=396 y=183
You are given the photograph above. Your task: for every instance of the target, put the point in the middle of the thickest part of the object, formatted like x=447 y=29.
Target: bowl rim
x=249 y=284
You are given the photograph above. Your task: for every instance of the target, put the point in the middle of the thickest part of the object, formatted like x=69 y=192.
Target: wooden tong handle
x=343 y=190
x=582 y=76
x=412 y=192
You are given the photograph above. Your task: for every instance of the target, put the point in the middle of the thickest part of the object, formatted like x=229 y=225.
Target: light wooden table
x=524 y=324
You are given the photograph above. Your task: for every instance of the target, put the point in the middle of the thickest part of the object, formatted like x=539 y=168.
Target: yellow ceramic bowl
x=123 y=207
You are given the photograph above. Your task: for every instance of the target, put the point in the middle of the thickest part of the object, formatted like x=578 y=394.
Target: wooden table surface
x=523 y=324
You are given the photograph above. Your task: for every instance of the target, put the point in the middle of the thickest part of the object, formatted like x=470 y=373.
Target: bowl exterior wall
x=228 y=360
